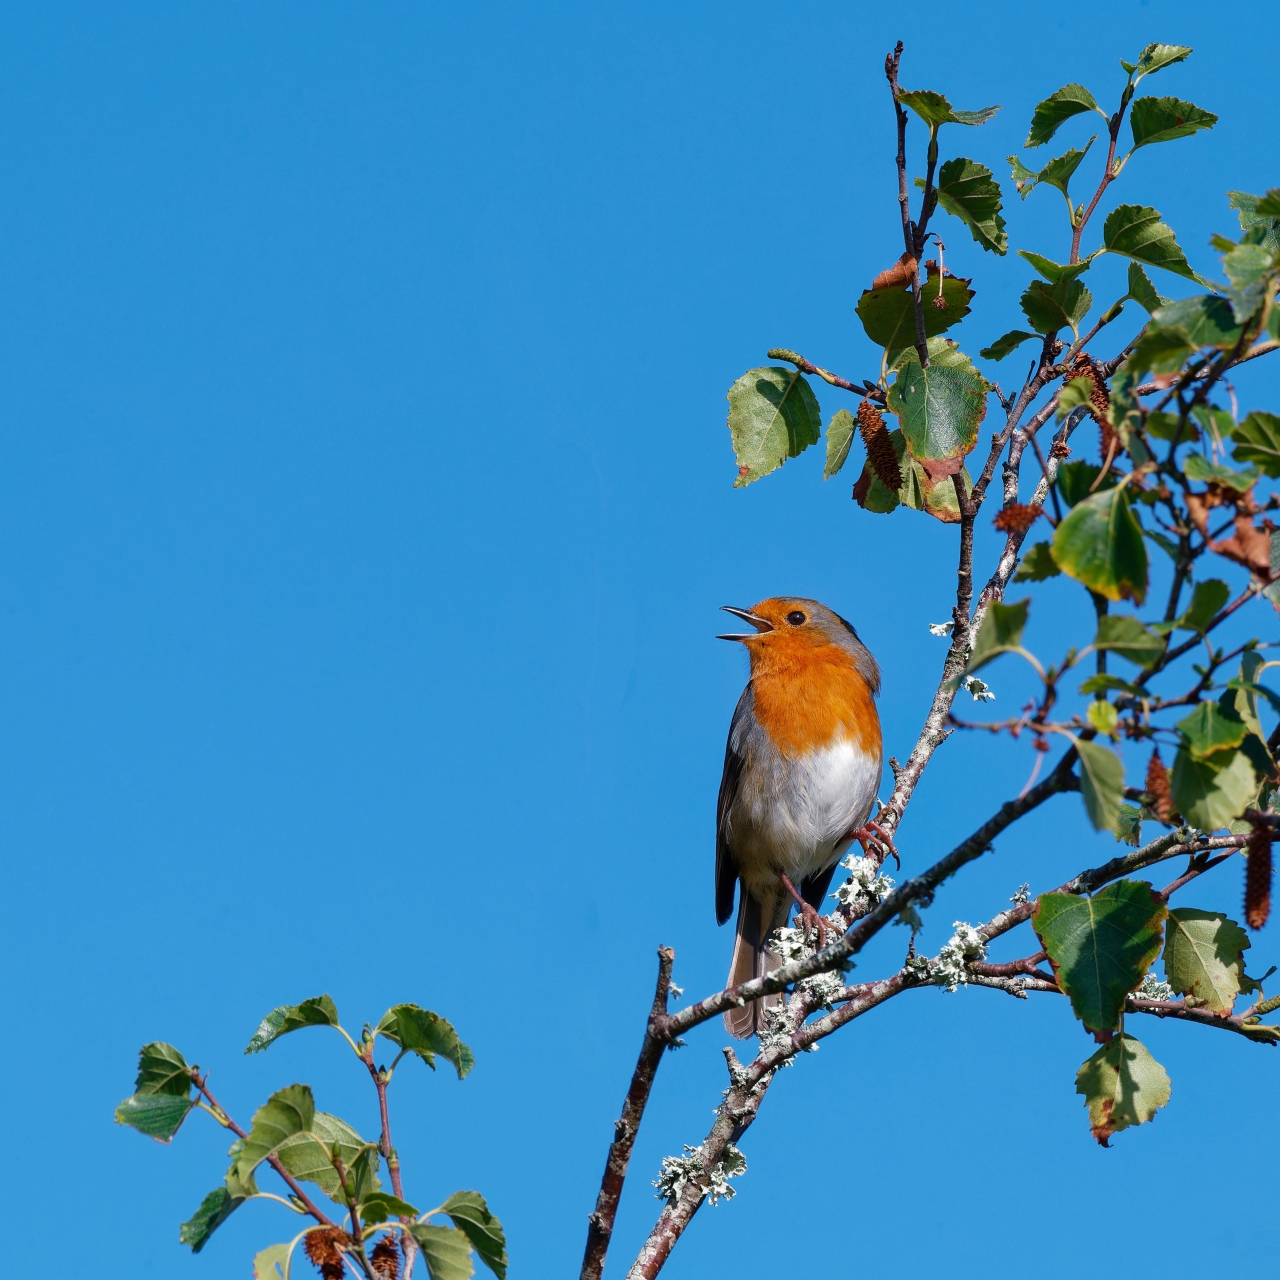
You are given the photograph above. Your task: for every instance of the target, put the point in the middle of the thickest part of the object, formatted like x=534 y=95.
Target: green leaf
x=288 y=1111
x=1135 y=231
x=1056 y=110
x=425 y=1033
x=1269 y=205
x=445 y=1250
x=935 y=110
x=1101 y=783
x=1156 y=56
x=1058 y=172
x=773 y=416
x=1104 y=717
x=839 y=437
x=1127 y=637
x=1211 y=797
x=1160 y=350
x=1099 y=543
x=1129 y=824
x=1257 y=440
x=158 y=1115
x=1052 y=271
x=271 y=1263
x=888 y=315
x=1074 y=395
x=1050 y=307
x=1001 y=632
x=967 y=191
x=1101 y=946
x=1208 y=732
x=1204 y=957
x=1024 y=179
x=940 y=409
x=1005 y=344
x=1207 y=321
x=1104 y=682
x=1142 y=291
x=471 y=1215
x=1076 y=479
x=1197 y=467
x=1248 y=268
x=1266 y=228
x=214 y=1210
x=1037 y=565
x=319 y=1011
x=1207 y=598
x=918 y=491
x=1163 y=119
x=306 y=1155
x=1123 y=1085
x=382 y=1206
x=162 y=1069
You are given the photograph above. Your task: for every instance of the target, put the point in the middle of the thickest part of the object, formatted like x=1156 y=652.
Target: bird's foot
x=808 y=913
x=871 y=830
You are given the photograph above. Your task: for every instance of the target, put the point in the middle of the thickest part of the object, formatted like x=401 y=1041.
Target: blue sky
x=365 y=506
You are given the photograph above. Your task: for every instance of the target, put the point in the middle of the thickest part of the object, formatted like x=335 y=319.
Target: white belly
x=798 y=817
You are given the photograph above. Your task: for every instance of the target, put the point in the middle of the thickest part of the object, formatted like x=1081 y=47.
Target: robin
x=801 y=772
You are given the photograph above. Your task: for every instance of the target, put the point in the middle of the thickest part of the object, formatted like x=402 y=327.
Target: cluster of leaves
x=305 y=1145
x=1176 y=471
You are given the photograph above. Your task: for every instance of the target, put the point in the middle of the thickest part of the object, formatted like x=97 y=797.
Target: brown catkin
x=385 y=1259
x=324 y=1247
x=1099 y=399
x=1158 y=788
x=1018 y=517
x=884 y=462
x=1257 y=876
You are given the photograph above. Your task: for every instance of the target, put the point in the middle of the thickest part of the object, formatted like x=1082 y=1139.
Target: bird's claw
x=871 y=830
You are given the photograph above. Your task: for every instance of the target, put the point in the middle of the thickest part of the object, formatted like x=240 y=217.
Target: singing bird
x=801 y=772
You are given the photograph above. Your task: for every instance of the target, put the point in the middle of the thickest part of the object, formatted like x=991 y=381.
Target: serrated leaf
x=1204 y=957
x=1001 y=632
x=1037 y=565
x=162 y=1069
x=1099 y=543
x=1196 y=466
x=1075 y=480
x=1006 y=343
x=1160 y=350
x=1257 y=440
x=382 y=1206
x=1248 y=268
x=1052 y=271
x=1100 y=946
x=1056 y=110
x=426 y=1034
x=1164 y=119
x=1127 y=637
x=1207 y=321
x=1207 y=598
x=1142 y=291
x=1269 y=205
x=1265 y=227
x=288 y=1111
x=773 y=416
x=1024 y=179
x=1210 y=797
x=934 y=109
x=1156 y=56
x=158 y=1115
x=319 y=1011
x=214 y=1210
x=306 y=1155
x=967 y=191
x=1208 y=732
x=1101 y=783
x=839 y=437
x=1074 y=395
x=445 y=1250
x=471 y=1215
x=1122 y=1085
x=271 y=1263
x=1050 y=307
x=939 y=409
x=1059 y=171
x=888 y=315
x=1129 y=824
x=1135 y=231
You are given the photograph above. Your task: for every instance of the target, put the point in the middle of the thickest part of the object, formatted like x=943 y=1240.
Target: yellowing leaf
x=1123 y=1085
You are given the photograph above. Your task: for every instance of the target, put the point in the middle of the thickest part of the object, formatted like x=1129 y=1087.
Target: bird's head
x=792 y=627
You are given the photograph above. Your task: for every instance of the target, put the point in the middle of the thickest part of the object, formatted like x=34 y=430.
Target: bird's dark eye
x=796 y=618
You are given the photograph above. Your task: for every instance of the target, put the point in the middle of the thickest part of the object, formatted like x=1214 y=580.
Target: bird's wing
x=726 y=868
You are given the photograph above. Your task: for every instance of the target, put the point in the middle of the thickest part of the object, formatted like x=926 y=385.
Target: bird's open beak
x=760 y=624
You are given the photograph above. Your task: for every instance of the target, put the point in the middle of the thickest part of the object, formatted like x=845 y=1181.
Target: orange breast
x=807 y=697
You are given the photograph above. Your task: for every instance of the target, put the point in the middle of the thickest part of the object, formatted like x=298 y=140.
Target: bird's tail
x=756 y=921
